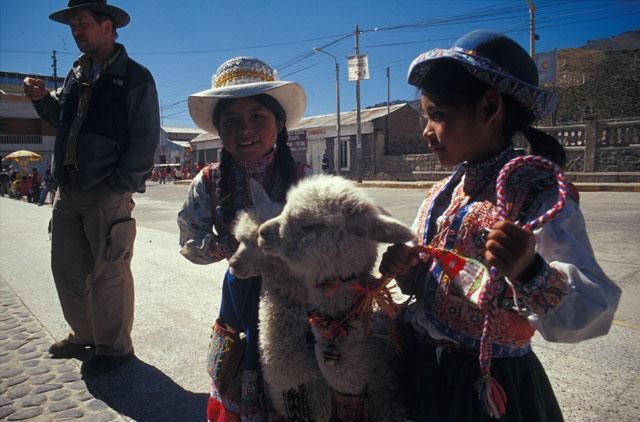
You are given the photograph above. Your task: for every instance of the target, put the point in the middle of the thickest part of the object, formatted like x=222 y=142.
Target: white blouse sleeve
x=587 y=310
x=199 y=244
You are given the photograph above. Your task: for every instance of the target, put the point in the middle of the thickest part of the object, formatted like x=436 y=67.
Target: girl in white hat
x=249 y=109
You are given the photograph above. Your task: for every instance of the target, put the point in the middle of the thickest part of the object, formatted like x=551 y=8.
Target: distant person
x=48 y=186
x=5 y=183
x=250 y=110
x=325 y=163
x=107 y=117
x=163 y=175
x=475 y=96
x=36 y=182
x=25 y=187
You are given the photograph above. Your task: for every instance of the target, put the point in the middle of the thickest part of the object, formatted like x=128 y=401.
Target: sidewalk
x=33 y=385
x=166 y=382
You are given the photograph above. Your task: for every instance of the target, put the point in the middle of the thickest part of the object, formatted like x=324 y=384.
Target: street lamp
x=336 y=143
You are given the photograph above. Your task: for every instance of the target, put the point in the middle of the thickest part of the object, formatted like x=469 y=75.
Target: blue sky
x=183 y=42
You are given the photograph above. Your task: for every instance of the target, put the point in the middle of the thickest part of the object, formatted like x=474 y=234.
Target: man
x=108 y=128
x=36 y=181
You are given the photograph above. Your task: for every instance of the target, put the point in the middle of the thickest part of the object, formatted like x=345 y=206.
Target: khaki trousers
x=92 y=244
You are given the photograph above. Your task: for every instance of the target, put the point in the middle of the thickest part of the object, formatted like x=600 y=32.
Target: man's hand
x=34 y=89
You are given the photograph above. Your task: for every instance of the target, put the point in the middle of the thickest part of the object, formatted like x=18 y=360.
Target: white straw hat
x=242 y=77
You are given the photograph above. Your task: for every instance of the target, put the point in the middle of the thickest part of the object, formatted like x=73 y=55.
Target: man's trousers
x=92 y=245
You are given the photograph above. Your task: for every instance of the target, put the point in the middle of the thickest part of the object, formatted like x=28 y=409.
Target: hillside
x=629 y=40
x=601 y=79
x=604 y=83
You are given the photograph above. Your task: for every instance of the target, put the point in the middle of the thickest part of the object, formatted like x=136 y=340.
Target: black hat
x=119 y=16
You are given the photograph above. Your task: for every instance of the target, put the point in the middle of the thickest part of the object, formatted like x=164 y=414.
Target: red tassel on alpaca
x=492 y=396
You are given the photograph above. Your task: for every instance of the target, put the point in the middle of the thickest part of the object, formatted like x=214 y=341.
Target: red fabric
x=452 y=263
x=217 y=413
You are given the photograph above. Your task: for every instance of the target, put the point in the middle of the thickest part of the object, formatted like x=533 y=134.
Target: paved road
x=176 y=302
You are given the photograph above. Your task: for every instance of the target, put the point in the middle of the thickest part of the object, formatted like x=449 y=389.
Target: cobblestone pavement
x=34 y=386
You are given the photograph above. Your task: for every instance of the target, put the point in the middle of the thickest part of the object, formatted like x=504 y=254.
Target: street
x=177 y=301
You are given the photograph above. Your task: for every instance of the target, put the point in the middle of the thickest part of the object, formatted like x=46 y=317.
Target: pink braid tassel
x=492 y=396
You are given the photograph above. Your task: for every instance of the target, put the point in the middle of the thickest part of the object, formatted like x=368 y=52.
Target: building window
x=345 y=153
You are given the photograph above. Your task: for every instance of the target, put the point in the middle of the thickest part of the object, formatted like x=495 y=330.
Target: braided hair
x=285 y=165
x=448 y=83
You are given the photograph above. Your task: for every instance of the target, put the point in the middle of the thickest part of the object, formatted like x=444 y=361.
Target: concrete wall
x=596 y=151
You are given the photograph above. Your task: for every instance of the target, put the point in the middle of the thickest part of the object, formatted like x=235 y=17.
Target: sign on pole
x=547 y=65
x=358 y=67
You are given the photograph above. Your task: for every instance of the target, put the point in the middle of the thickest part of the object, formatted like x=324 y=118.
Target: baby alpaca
x=294 y=383
x=328 y=233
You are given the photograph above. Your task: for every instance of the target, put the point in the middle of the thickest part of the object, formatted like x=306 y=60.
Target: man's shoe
x=103 y=364
x=64 y=349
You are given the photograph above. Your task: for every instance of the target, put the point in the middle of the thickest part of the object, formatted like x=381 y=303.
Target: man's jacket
x=121 y=130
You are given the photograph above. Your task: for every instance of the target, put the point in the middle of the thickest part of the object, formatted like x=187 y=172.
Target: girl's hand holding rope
x=510 y=249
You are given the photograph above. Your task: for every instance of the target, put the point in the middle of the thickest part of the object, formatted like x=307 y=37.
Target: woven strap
x=491 y=393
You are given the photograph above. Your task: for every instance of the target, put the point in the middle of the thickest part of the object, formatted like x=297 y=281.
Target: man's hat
x=242 y=77
x=119 y=16
x=496 y=60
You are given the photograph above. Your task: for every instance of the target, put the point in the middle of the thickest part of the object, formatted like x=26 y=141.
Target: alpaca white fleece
x=330 y=230
x=288 y=360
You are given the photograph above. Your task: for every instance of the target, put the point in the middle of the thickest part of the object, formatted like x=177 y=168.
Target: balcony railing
x=21 y=139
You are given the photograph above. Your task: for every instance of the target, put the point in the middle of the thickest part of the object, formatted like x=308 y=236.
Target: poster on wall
x=298 y=143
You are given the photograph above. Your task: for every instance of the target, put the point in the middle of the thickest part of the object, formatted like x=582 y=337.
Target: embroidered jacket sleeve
x=569 y=299
x=199 y=244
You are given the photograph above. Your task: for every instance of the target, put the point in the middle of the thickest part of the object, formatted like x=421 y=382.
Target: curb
x=581 y=186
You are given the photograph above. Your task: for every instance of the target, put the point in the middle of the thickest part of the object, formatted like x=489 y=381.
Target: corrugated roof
x=205 y=136
x=176 y=129
x=347 y=118
x=182 y=144
x=325 y=120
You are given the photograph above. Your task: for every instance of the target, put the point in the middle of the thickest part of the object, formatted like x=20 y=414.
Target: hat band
x=241 y=77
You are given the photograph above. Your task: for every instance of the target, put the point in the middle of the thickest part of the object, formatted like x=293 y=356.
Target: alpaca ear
x=380 y=228
x=258 y=194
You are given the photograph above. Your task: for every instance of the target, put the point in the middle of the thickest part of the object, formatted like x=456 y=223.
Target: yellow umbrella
x=23 y=157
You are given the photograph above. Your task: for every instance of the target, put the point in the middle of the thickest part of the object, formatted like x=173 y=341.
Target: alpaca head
x=329 y=228
x=249 y=260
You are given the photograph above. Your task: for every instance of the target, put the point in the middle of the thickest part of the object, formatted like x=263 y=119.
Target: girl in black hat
x=475 y=97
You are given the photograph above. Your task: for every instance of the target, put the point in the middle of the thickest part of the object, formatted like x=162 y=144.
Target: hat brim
x=538 y=101
x=290 y=95
x=120 y=17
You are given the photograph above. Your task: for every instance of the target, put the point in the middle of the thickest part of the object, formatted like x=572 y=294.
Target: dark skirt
x=444 y=391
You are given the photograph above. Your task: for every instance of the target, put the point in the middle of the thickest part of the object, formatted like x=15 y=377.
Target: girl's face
x=457 y=134
x=248 y=129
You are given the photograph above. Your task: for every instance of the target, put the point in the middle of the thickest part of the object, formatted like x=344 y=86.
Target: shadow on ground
x=144 y=393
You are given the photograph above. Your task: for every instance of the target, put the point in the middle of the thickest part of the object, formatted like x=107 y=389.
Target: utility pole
x=532 y=28
x=336 y=143
x=54 y=66
x=388 y=140
x=358 y=125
